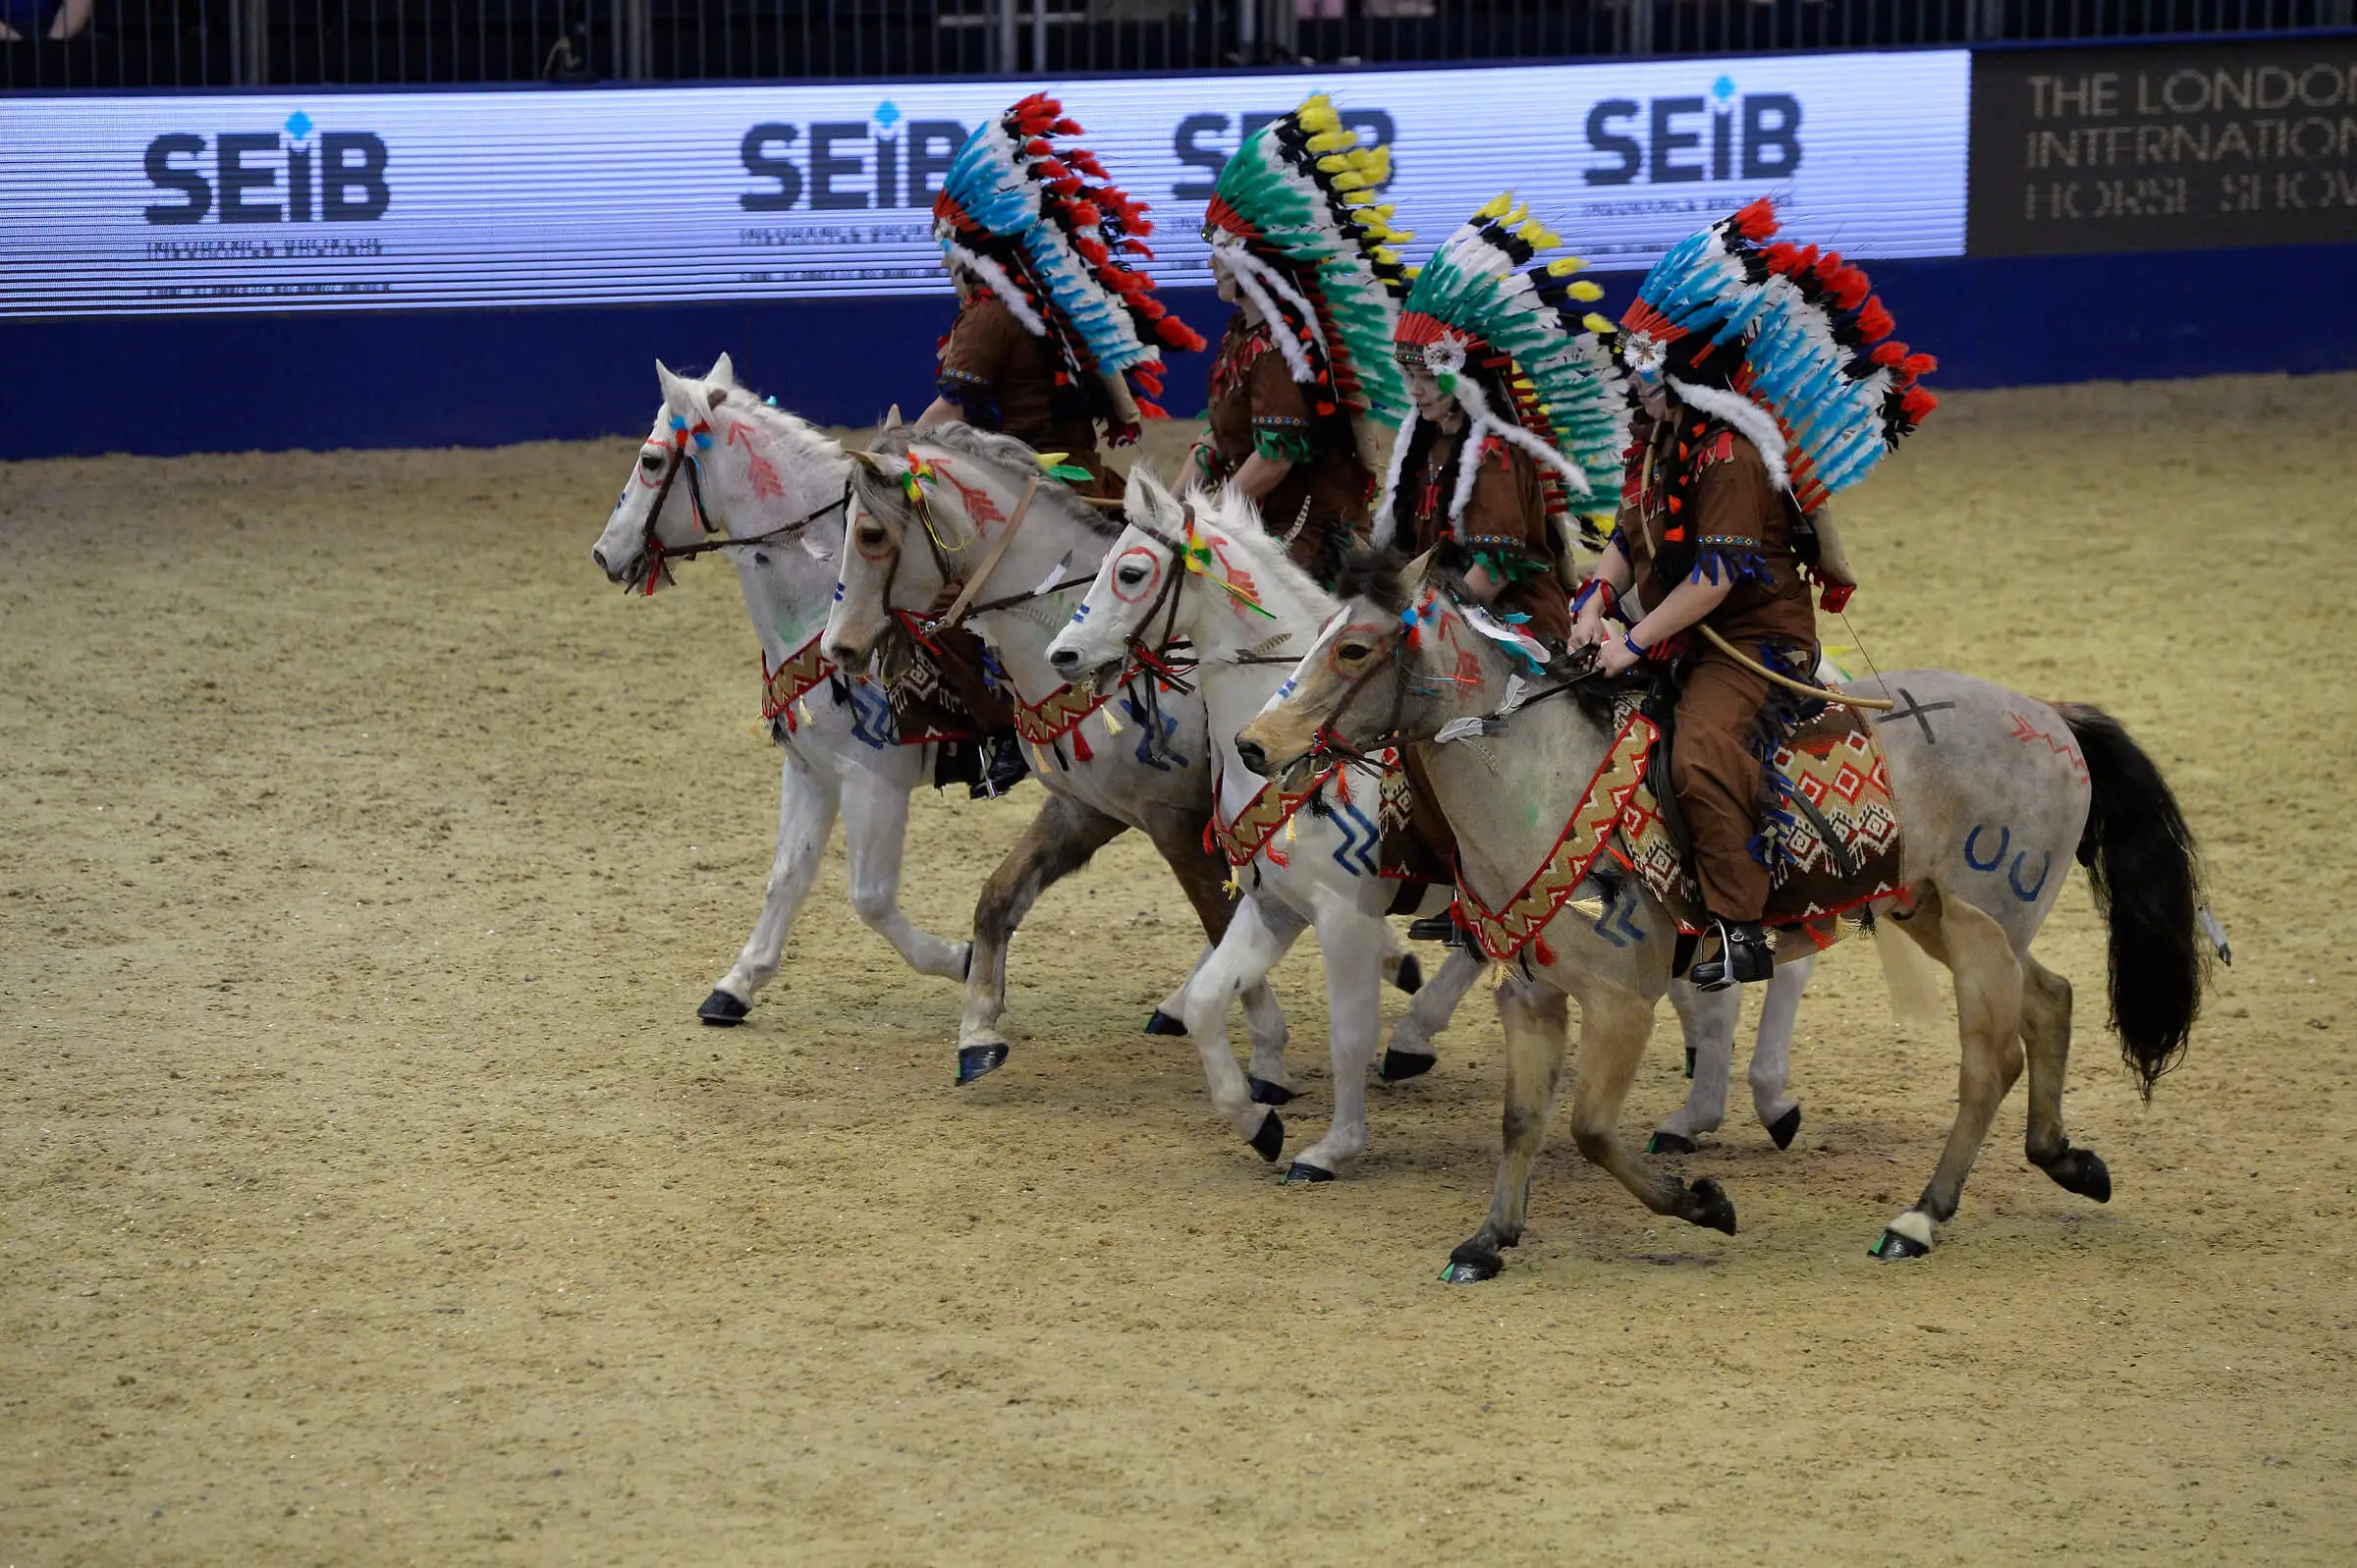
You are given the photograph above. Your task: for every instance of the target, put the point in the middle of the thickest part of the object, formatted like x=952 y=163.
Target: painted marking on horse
x=2030 y=734
x=1154 y=738
x=1147 y=584
x=759 y=472
x=2004 y=841
x=1618 y=924
x=1920 y=712
x=2030 y=894
x=871 y=716
x=1360 y=838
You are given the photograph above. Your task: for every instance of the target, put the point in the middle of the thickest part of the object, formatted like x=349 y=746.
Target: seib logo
x=886 y=160
x=1202 y=141
x=1728 y=135
x=269 y=178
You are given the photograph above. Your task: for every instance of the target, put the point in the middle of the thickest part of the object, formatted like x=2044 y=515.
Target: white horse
x=776 y=487
x=1192 y=576
x=1211 y=578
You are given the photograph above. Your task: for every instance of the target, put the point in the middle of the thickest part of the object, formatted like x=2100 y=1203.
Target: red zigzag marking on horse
x=2026 y=732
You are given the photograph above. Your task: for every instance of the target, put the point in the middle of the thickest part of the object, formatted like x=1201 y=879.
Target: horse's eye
x=651 y=461
x=1351 y=653
x=1131 y=576
x=872 y=537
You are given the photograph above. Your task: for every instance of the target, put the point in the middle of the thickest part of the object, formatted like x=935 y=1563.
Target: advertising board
x=2220 y=143
x=372 y=201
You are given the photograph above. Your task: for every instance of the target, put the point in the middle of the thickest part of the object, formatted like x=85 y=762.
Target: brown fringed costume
x=1319 y=509
x=1004 y=378
x=1733 y=525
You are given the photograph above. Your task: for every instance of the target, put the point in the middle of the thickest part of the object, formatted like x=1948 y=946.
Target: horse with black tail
x=1997 y=794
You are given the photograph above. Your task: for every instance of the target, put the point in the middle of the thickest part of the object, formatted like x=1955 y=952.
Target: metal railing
x=194 y=43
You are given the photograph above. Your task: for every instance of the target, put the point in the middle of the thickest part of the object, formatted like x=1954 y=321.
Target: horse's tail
x=2140 y=861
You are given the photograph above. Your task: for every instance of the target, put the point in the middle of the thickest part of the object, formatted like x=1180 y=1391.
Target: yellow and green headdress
x=1481 y=312
x=1295 y=217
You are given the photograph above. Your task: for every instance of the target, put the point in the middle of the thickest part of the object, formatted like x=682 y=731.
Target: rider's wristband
x=1594 y=586
x=1630 y=643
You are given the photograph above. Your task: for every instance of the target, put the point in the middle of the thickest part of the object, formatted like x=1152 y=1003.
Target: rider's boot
x=1003 y=764
x=1741 y=955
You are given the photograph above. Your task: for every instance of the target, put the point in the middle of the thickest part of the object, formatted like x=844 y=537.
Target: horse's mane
x=989 y=446
x=1374 y=575
x=1264 y=551
x=747 y=403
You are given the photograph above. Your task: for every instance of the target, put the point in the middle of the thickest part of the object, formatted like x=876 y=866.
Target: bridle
x=658 y=556
x=1156 y=656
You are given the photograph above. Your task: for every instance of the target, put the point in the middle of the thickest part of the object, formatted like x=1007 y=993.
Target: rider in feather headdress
x=1055 y=334
x=1767 y=379
x=1302 y=252
x=1517 y=427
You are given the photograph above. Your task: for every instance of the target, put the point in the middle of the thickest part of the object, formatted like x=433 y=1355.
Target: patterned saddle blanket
x=1831 y=838
x=1833 y=845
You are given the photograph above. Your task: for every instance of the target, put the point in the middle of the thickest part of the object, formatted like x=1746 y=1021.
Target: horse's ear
x=892 y=418
x=873 y=462
x=678 y=396
x=1411 y=575
x=717 y=395
x=722 y=371
x=1145 y=497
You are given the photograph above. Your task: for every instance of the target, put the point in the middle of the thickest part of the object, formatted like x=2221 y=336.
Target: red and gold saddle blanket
x=1833 y=764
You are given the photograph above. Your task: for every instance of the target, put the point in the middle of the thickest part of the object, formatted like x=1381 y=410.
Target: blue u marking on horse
x=1356 y=852
x=2030 y=894
x=2013 y=868
x=2004 y=841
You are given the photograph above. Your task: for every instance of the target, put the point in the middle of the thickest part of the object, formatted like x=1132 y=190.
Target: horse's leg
x=1535 y=1019
x=807 y=799
x=875 y=831
x=1615 y=1023
x=2046 y=1032
x=1708 y=1019
x=1059 y=842
x=1410 y=1055
x=1245 y=953
x=1772 y=1098
x=1354 y=945
x=1988 y=1020
x=1179 y=836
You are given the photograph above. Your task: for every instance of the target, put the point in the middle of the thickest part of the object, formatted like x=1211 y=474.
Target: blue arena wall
x=232 y=383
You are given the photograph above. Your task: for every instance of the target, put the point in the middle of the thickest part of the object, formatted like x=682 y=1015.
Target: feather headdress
x=1045 y=231
x=1295 y=217
x=1481 y=303
x=1788 y=346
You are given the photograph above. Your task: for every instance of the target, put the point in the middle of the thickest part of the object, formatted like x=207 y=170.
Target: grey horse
x=1997 y=794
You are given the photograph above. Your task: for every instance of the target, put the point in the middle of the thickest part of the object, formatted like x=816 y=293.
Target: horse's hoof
x=1895 y=1246
x=1270 y=1138
x=1785 y=1128
x=1265 y=1092
x=1400 y=1065
x=2080 y=1170
x=721 y=1010
x=1708 y=1206
x=1410 y=975
x=975 y=1060
x=1670 y=1143
x=1306 y=1175
x=1472 y=1263
x=1162 y=1023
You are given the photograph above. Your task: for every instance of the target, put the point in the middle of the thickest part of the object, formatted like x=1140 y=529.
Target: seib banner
x=542 y=197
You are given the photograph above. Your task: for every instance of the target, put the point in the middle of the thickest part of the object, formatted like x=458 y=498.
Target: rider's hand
x=1589 y=628
x=1618 y=658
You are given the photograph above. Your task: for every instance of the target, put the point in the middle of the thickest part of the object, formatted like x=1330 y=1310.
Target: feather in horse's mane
x=990 y=446
x=1265 y=555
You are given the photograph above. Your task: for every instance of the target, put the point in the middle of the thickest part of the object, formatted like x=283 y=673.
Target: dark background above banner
x=2182 y=147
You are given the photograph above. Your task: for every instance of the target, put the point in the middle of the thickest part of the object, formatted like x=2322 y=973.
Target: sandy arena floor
x=372 y=1196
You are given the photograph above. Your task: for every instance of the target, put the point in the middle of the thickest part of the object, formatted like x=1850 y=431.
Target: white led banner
x=340 y=201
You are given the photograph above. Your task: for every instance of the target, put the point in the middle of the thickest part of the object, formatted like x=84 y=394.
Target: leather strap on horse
x=973 y=584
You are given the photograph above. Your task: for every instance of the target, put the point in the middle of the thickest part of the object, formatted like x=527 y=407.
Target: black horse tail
x=2140 y=861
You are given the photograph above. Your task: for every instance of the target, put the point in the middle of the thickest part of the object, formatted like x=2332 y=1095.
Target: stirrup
x=1440 y=928
x=1744 y=957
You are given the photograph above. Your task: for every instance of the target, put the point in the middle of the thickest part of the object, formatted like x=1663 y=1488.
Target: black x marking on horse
x=1916 y=711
